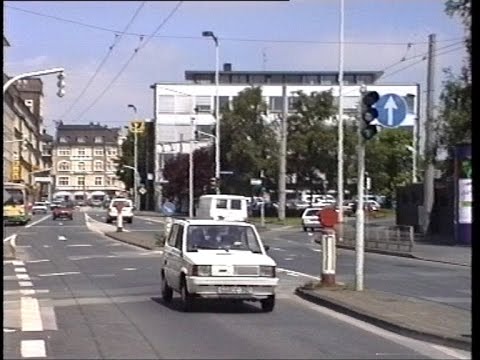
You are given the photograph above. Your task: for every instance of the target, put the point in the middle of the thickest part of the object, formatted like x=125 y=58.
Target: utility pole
x=283 y=158
x=360 y=216
x=428 y=182
x=340 y=119
x=190 y=168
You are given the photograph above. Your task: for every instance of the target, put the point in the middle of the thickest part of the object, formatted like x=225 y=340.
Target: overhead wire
x=118 y=38
x=140 y=47
x=115 y=31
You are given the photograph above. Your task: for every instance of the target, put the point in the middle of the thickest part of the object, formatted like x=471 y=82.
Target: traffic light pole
x=360 y=215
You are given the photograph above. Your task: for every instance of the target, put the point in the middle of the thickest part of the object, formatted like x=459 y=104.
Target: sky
x=253 y=35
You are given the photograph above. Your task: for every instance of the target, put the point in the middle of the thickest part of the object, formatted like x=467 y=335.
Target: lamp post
x=190 y=169
x=135 y=160
x=340 y=118
x=135 y=175
x=217 y=108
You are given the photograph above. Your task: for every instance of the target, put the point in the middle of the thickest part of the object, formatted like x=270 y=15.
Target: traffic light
x=369 y=114
x=196 y=135
x=61 y=84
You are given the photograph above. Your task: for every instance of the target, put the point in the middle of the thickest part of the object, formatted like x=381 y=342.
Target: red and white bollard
x=329 y=256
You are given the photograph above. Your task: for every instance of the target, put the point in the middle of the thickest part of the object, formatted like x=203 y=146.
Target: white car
x=127 y=210
x=310 y=219
x=39 y=207
x=219 y=260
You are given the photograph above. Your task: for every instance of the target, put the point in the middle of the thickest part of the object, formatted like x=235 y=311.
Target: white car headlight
x=267 y=271
x=201 y=270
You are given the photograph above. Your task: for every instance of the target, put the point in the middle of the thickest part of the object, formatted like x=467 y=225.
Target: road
x=442 y=283
x=73 y=293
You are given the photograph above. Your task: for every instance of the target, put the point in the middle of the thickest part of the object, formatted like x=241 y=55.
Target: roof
x=88 y=131
x=197 y=221
x=223 y=196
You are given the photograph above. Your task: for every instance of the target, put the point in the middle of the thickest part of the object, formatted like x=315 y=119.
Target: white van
x=223 y=207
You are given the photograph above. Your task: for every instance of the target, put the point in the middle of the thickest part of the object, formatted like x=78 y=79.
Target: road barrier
x=398 y=238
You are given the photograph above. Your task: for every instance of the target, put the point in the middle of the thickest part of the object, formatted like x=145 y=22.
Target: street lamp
x=135 y=159
x=190 y=169
x=340 y=117
x=217 y=107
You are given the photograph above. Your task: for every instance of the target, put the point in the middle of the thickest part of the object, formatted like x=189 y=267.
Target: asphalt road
x=442 y=283
x=74 y=294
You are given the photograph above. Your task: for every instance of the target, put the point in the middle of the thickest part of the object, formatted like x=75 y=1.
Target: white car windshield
x=225 y=237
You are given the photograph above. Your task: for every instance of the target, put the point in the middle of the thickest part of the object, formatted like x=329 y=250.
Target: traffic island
x=416 y=318
x=146 y=240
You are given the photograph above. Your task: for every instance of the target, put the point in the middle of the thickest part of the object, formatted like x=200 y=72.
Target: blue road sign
x=392 y=110
x=168 y=208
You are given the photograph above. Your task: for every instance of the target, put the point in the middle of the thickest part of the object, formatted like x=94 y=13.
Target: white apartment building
x=176 y=104
x=84 y=165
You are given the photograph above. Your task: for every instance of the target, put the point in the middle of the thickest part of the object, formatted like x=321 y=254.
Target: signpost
x=392 y=110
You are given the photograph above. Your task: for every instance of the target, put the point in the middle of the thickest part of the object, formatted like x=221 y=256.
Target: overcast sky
x=253 y=36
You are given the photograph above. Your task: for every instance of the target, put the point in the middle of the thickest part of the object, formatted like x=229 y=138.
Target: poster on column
x=465 y=201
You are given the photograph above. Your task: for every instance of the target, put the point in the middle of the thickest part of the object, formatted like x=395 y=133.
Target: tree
x=249 y=143
x=127 y=158
x=176 y=171
x=455 y=118
x=388 y=160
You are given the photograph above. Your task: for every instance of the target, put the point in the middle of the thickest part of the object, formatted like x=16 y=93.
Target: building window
x=63 y=181
x=112 y=152
x=98 y=165
x=257 y=79
x=98 y=180
x=110 y=166
x=349 y=79
x=276 y=103
x=165 y=104
x=63 y=166
x=224 y=78
x=98 y=151
x=81 y=166
x=111 y=180
x=203 y=103
x=293 y=79
x=29 y=104
x=98 y=139
x=275 y=79
x=328 y=79
x=81 y=139
x=239 y=79
x=310 y=79
x=364 y=79
x=81 y=181
x=81 y=152
x=224 y=102
x=63 y=139
x=63 y=152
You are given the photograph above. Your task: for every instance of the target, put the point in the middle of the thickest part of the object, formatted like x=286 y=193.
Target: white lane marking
x=24 y=246
x=17 y=263
x=90 y=220
x=30 y=312
x=62 y=238
x=37 y=261
x=149 y=223
x=317 y=250
x=33 y=348
x=289 y=258
x=23 y=277
x=278 y=249
x=60 y=224
x=129 y=269
x=298 y=273
x=25 y=283
x=452 y=352
x=38 y=221
x=60 y=273
x=46 y=246
x=20 y=270
x=8 y=238
x=150 y=219
x=103 y=275
x=79 y=245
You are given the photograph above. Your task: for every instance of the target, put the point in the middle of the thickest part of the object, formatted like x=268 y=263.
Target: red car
x=63 y=211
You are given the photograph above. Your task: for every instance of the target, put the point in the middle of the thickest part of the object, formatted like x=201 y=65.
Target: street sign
x=392 y=110
x=137 y=126
x=142 y=191
x=168 y=208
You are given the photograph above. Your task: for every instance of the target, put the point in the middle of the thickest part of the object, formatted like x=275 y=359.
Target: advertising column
x=463 y=194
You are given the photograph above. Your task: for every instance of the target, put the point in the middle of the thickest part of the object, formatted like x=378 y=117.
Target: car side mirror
x=266 y=247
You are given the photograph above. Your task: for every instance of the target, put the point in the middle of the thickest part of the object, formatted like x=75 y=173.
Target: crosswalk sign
x=137 y=126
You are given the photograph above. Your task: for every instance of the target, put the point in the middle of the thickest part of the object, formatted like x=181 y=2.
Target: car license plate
x=234 y=290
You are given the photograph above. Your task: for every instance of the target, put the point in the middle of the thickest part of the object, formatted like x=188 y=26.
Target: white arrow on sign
x=390 y=105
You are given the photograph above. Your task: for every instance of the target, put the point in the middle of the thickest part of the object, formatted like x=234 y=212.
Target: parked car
x=310 y=219
x=217 y=259
x=369 y=205
x=63 y=210
x=39 y=207
x=55 y=203
x=127 y=210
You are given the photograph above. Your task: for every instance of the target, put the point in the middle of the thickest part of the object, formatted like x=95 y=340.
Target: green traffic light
x=369 y=132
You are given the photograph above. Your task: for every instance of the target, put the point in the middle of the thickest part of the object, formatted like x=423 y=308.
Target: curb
x=455 y=342
x=110 y=235
x=441 y=261
x=380 y=251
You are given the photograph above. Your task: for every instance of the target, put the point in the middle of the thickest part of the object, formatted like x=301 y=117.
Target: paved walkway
x=459 y=255
x=416 y=318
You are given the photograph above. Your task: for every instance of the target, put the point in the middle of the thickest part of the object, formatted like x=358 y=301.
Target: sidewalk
x=145 y=239
x=423 y=320
x=450 y=254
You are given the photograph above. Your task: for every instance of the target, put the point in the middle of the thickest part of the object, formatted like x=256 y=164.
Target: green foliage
x=127 y=158
x=248 y=143
x=388 y=160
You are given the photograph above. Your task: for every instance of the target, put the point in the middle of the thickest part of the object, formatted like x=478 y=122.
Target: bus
x=16 y=203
